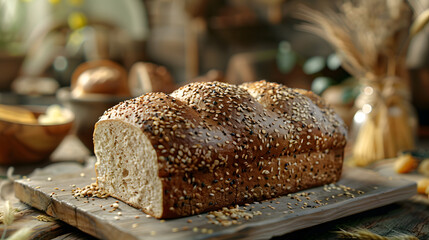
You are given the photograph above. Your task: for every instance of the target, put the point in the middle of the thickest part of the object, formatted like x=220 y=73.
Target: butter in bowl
x=29 y=134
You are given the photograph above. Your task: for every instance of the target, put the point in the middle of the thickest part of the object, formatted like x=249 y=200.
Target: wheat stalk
x=22 y=234
x=364 y=234
x=367 y=34
x=7 y=217
x=372 y=38
x=420 y=22
x=359 y=234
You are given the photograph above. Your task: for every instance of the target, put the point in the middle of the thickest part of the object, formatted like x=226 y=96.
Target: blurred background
x=42 y=43
x=64 y=62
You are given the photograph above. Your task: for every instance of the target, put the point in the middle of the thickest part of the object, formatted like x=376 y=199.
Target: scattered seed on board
x=44 y=218
x=91 y=190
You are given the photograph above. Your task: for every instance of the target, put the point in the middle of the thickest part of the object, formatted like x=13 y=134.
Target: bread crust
x=116 y=84
x=219 y=144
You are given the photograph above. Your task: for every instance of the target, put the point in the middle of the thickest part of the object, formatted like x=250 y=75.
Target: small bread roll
x=405 y=164
x=424 y=167
x=148 y=77
x=211 y=76
x=100 y=77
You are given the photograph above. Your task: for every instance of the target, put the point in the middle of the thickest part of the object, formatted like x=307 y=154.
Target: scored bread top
x=207 y=125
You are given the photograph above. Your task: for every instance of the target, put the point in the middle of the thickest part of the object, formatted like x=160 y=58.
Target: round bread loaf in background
x=148 y=77
x=211 y=76
x=100 y=77
x=95 y=87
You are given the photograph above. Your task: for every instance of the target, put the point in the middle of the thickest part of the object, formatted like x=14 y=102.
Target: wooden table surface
x=409 y=217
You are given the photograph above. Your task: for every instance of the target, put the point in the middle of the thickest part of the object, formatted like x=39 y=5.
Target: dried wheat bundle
x=359 y=233
x=366 y=34
x=372 y=39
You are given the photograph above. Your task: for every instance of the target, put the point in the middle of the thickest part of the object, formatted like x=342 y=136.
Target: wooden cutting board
x=357 y=191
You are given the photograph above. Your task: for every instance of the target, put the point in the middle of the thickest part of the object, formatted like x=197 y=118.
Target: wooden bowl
x=31 y=142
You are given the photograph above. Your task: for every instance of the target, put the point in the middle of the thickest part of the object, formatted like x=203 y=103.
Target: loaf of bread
x=210 y=145
x=211 y=76
x=99 y=77
x=148 y=77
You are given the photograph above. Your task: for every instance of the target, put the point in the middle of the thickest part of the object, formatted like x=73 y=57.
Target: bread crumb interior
x=127 y=165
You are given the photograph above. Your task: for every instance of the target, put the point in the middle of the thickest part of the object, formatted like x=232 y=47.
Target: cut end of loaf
x=122 y=150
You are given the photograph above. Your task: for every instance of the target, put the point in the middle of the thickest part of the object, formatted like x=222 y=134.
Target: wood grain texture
x=74 y=236
x=27 y=217
x=370 y=190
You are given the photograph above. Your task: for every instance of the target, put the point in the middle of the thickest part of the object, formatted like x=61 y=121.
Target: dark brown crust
x=221 y=131
x=215 y=190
